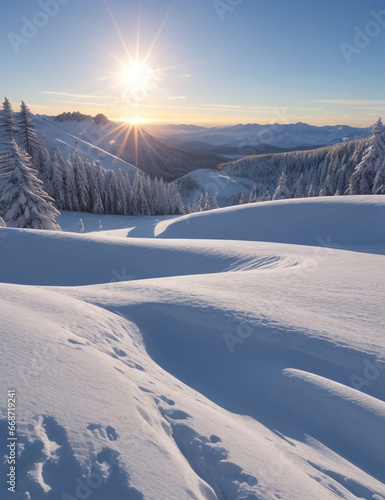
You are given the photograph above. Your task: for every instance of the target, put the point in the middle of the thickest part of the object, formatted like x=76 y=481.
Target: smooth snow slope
x=94 y=258
x=227 y=369
x=339 y=221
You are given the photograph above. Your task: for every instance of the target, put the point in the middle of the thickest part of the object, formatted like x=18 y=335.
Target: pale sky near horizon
x=197 y=61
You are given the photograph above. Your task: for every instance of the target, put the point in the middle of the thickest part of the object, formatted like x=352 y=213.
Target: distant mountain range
x=255 y=139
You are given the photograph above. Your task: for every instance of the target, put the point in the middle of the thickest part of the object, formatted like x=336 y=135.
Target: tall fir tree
x=26 y=135
x=23 y=201
x=282 y=190
x=95 y=179
x=70 y=188
x=8 y=131
x=81 y=182
x=58 y=179
x=43 y=164
x=366 y=179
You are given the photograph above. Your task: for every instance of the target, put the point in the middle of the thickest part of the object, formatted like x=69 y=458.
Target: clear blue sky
x=259 y=61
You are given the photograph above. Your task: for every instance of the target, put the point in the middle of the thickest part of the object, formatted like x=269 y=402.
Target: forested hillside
x=356 y=167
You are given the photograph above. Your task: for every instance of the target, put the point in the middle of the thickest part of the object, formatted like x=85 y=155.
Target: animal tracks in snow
x=102 y=432
x=208 y=458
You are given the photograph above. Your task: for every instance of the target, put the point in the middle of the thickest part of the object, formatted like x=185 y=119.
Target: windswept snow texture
x=237 y=354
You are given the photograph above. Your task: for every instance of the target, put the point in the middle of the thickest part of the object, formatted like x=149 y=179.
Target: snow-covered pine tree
x=8 y=122
x=8 y=131
x=70 y=191
x=266 y=196
x=379 y=181
x=379 y=178
x=58 y=179
x=118 y=196
x=63 y=185
x=253 y=195
x=207 y=203
x=95 y=180
x=244 y=198
x=124 y=183
x=23 y=201
x=81 y=182
x=199 y=204
x=26 y=136
x=43 y=164
x=189 y=208
x=113 y=202
x=366 y=179
x=282 y=190
x=179 y=208
x=150 y=190
x=139 y=201
x=160 y=197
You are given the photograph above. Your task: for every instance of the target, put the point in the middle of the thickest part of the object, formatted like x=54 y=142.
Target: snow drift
x=336 y=221
x=212 y=368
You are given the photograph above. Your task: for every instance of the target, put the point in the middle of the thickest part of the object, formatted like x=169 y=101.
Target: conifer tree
x=95 y=178
x=8 y=131
x=26 y=135
x=23 y=201
x=81 y=183
x=367 y=176
x=58 y=179
x=282 y=190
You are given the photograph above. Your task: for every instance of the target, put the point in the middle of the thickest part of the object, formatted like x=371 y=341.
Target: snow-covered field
x=237 y=354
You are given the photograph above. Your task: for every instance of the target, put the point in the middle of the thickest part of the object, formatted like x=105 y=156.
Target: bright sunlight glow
x=135 y=120
x=137 y=74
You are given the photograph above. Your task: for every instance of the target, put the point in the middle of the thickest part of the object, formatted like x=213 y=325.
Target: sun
x=137 y=74
x=137 y=81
